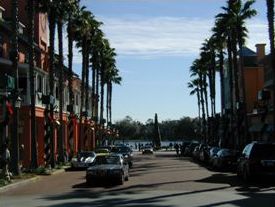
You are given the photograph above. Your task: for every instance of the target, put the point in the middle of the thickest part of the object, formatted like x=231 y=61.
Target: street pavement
x=155 y=180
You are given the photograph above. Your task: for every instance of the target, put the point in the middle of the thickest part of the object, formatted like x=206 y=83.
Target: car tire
x=246 y=175
x=121 y=180
x=130 y=164
x=88 y=181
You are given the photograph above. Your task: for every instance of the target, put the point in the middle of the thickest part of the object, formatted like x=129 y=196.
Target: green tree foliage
x=185 y=128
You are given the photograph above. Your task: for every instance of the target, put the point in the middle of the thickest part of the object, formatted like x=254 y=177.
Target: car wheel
x=130 y=164
x=88 y=181
x=246 y=175
x=121 y=180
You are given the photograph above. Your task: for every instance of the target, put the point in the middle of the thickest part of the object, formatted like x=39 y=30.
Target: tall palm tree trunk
x=110 y=102
x=82 y=97
x=270 y=18
x=107 y=102
x=14 y=54
x=31 y=12
x=86 y=96
x=243 y=113
x=61 y=91
x=70 y=80
x=203 y=131
x=52 y=25
x=230 y=71
x=221 y=69
x=102 y=98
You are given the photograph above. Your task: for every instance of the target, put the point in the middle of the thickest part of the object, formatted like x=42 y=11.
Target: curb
x=28 y=180
x=18 y=183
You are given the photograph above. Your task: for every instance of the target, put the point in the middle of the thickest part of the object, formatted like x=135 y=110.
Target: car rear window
x=264 y=151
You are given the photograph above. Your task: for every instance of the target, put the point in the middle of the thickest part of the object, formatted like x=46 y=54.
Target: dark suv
x=257 y=159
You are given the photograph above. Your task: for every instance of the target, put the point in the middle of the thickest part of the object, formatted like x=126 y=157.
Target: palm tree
x=31 y=12
x=87 y=27
x=219 y=40
x=270 y=18
x=61 y=13
x=50 y=7
x=237 y=15
x=195 y=71
x=195 y=90
x=71 y=28
x=95 y=60
x=112 y=77
x=14 y=55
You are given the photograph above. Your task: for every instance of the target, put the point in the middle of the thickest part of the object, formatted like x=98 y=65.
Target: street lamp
x=18 y=102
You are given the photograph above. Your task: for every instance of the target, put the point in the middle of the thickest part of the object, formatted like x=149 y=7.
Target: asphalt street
x=155 y=180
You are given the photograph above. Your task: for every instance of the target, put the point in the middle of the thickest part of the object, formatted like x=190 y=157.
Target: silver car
x=83 y=159
x=108 y=168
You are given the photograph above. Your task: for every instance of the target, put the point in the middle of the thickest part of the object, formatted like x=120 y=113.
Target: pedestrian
x=21 y=156
x=177 y=148
x=6 y=160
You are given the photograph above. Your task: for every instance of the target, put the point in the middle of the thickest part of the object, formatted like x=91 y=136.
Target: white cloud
x=165 y=36
x=158 y=36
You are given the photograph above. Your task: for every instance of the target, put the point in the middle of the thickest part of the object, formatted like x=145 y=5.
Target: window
x=23 y=85
x=1 y=12
x=39 y=87
x=76 y=99
x=56 y=93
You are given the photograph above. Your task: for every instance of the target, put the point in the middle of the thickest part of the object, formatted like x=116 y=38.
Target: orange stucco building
x=41 y=84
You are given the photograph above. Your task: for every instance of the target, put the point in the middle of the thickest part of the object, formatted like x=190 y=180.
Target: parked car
x=108 y=168
x=183 y=146
x=196 y=152
x=147 y=150
x=83 y=159
x=225 y=159
x=102 y=150
x=213 y=153
x=190 y=148
x=127 y=153
x=203 y=152
x=257 y=159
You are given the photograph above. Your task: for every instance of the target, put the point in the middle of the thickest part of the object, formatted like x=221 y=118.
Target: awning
x=257 y=127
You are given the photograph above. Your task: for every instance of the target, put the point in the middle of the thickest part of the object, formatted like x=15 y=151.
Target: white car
x=83 y=159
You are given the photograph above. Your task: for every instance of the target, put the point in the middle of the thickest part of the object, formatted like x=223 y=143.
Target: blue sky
x=156 y=42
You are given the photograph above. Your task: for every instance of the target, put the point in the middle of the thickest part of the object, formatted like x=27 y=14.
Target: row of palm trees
x=84 y=31
x=228 y=38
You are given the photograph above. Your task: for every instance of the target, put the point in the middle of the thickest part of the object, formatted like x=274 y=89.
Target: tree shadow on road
x=101 y=199
x=261 y=184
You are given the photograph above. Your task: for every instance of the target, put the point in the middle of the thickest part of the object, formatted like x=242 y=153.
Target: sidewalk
x=23 y=181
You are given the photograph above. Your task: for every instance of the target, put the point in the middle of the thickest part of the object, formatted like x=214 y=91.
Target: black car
x=183 y=146
x=225 y=159
x=190 y=148
x=126 y=151
x=257 y=159
x=108 y=168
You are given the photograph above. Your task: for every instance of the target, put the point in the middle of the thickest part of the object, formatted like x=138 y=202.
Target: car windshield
x=107 y=160
x=86 y=154
x=102 y=150
x=121 y=150
x=264 y=151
